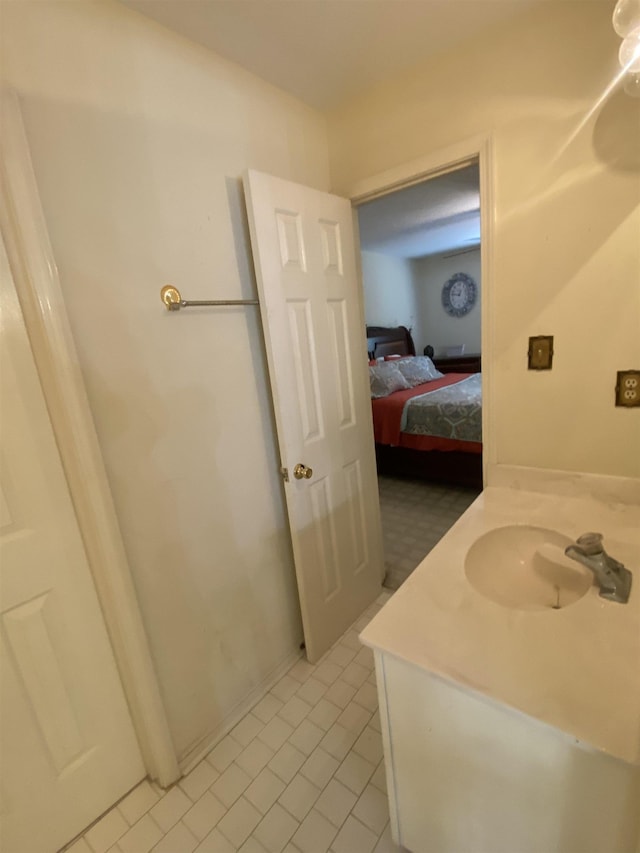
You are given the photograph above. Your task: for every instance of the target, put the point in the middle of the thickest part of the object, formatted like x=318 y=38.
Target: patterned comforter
x=451 y=412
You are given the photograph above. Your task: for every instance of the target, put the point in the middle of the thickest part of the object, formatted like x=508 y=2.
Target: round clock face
x=459 y=294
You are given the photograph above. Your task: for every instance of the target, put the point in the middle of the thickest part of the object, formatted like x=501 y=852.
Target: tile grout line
x=359 y=675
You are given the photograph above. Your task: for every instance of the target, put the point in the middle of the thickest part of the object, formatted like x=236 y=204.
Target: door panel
x=304 y=256
x=35 y=655
x=307 y=384
x=337 y=317
x=67 y=742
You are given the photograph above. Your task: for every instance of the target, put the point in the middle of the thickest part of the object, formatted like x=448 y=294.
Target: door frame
x=28 y=247
x=481 y=149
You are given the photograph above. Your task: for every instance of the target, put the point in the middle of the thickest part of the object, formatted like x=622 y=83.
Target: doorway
x=412 y=241
x=417 y=240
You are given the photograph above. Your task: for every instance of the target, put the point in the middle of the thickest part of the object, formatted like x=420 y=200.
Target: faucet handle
x=590 y=543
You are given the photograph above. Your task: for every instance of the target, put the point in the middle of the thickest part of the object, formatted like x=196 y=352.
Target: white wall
x=567 y=218
x=438 y=328
x=390 y=298
x=138 y=139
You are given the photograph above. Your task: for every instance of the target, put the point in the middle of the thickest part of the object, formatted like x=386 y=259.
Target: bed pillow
x=418 y=370
x=385 y=378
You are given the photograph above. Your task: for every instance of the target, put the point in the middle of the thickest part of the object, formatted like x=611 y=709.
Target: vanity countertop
x=576 y=668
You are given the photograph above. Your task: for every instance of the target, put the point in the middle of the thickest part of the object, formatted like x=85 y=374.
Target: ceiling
x=430 y=218
x=325 y=52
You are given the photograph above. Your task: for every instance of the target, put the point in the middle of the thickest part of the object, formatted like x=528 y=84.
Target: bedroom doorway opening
x=421 y=256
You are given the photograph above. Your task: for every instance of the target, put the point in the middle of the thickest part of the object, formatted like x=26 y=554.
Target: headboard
x=395 y=340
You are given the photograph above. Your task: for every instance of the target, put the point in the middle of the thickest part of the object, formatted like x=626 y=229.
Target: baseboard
x=205 y=744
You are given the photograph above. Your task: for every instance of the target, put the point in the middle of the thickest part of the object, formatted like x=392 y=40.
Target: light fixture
x=629 y=54
x=626 y=17
x=626 y=23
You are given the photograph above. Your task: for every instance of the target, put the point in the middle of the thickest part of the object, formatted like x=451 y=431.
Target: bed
x=430 y=430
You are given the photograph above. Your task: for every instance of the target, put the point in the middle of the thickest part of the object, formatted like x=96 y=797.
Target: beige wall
x=567 y=236
x=138 y=139
x=389 y=295
x=438 y=328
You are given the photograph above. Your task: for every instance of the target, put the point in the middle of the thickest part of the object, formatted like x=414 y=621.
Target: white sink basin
x=525 y=568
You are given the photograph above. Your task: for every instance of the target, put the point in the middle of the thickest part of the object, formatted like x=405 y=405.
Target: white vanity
x=514 y=727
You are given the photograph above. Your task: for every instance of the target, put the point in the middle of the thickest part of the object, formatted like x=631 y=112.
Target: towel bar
x=173 y=300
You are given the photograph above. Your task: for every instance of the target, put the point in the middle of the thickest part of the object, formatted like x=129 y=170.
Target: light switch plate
x=540 y=353
x=628 y=388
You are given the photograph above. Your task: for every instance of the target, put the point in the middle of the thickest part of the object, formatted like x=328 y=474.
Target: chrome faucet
x=613 y=578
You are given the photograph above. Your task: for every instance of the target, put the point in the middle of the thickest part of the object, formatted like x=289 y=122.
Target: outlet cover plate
x=628 y=388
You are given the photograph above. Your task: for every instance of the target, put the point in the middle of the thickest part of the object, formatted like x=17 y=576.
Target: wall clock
x=459 y=294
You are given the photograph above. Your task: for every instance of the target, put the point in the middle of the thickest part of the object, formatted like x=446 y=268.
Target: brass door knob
x=301 y=472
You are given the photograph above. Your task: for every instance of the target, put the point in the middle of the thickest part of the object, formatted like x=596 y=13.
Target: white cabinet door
x=304 y=255
x=68 y=748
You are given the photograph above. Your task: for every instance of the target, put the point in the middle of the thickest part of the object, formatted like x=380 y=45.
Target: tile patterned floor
x=302 y=772
x=415 y=516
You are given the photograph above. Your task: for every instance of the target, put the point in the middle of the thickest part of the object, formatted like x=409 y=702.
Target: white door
x=68 y=750
x=313 y=322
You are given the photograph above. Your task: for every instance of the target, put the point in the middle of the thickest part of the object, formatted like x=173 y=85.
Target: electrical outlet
x=628 y=388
